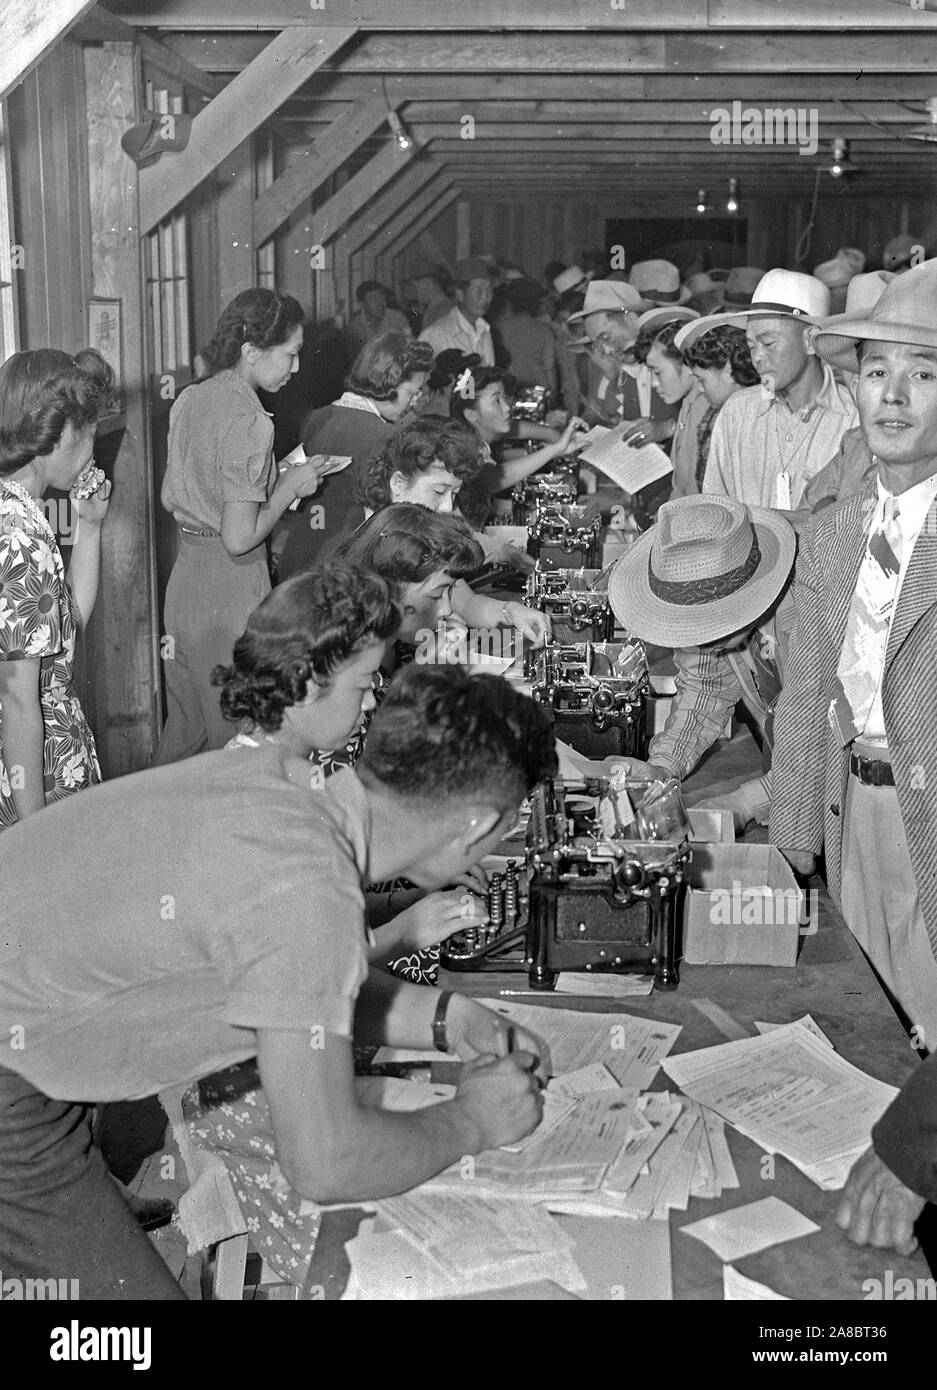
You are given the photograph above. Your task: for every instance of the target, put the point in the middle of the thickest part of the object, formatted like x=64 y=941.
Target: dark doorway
x=692 y=243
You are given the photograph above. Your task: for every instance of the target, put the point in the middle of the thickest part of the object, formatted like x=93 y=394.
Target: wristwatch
x=440 y=1038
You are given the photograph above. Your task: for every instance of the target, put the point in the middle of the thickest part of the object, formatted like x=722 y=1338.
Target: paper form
x=745 y=1230
x=392 y=1266
x=807 y=1021
x=584 y=1082
x=788 y=1091
x=466 y=1233
x=738 y=1288
x=630 y=1047
x=629 y=468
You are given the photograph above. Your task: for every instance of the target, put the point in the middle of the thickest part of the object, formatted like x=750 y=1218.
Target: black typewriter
x=558 y=531
x=600 y=888
x=577 y=602
x=560 y=485
x=597 y=693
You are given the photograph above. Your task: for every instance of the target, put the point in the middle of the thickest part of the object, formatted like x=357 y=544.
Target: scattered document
x=585 y=1082
x=630 y=1047
x=737 y=1288
x=745 y=1230
x=790 y=1093
x=807 y=1021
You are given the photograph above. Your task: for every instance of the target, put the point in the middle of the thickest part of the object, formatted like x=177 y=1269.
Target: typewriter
x=577 y=602
x=597 y=693
x=558 y=530
x=559 y=486
x=532 y=404
x=599 y=890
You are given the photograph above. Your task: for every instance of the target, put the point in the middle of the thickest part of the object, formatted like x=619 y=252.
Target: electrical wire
x=804 y=241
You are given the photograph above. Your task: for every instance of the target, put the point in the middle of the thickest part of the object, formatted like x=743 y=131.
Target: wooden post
x=126 y=620
x=28 y=30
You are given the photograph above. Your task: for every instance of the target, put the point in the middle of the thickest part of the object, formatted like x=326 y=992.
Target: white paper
x=807 y=1020
x=787 y=1090
x=745 y=1230
x=575 y=1085
x=586 y=984
x=630 y=1047
x=391 y=1266
x=737 y=1288
x=628 y=467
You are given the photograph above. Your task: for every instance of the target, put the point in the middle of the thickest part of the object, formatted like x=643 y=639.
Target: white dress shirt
x=454 y=330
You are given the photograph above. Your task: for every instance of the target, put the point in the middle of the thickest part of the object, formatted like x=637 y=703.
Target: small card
x=745 y=1230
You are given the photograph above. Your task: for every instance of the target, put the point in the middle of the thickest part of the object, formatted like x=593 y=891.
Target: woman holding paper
x=221 y=487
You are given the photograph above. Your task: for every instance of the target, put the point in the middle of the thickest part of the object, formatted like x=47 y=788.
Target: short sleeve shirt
x=220 y=450
x=199 y=902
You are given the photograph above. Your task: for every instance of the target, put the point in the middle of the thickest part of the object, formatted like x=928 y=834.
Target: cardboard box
x=743 y=906
x=711 y=825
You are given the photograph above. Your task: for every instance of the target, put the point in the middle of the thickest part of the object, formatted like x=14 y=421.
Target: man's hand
x=801 y=861
x=502 y=1096
x=877 y=1209
x=435 y=917
x=474 y=1031
x=634 y=767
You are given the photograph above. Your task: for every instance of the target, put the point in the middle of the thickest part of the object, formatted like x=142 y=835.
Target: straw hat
x=653 y=320
x=905 y=312
x=741 y=284
x=691 y=332
x=610 y=297
x=786 y=294
x=708 y=568
x=658 y=281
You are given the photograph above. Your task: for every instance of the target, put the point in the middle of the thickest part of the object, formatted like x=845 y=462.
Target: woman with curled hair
x=721 y=362
x=385 y=381
x=49 y=406
x=223 y=490
x=303 y=669
x=426 y=463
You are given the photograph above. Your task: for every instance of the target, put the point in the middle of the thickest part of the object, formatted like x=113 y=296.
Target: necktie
x=867 y=626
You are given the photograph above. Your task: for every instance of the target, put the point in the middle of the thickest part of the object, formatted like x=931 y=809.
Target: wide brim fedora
x=611 y=297
x=861 y=298
x=654 y=619
x=653 y=320
x=905 y=313
x=786 y=294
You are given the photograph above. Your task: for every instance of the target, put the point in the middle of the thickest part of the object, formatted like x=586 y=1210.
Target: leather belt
x=874 y=772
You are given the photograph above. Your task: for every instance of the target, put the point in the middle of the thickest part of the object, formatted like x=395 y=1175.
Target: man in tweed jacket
x=860 y=780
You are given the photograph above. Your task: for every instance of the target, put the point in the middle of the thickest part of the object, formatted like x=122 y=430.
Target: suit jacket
x=810 y=765
x=905 y=1138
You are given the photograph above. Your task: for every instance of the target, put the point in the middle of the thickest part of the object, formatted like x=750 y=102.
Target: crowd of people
x=275 y=889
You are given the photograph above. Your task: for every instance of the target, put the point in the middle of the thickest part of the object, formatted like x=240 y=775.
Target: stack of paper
x=790 y=1092
x=459 y=1243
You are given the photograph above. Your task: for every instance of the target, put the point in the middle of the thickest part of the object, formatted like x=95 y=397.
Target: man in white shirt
x=465 y=327
x=770 y=440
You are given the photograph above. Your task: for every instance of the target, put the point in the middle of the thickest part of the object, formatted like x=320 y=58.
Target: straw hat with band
x=653 y=320
x=691 y=332
x=708 y=568
x=786 y=294
x=905 y=312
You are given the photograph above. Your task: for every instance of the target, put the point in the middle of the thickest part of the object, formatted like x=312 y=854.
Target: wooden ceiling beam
x=328 y=153
x=314 y=110
x=234 y=114
x=329 y=220
x=527 y=15
x=421 y=180
x=28 y=29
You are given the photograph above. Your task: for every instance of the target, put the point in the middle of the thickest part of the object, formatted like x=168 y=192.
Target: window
x=9 y=338
x=167 y=269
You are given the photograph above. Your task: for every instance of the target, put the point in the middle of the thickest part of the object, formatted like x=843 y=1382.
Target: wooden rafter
x=28 y=29
x=233 y=115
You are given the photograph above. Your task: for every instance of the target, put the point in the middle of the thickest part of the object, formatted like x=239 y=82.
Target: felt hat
x=653 y=320
x=569 y=278
x=786 y=294
x=905 y=312
x=658 y=281
x=741 y=283
x=898 y=252
x=709 y=567
x=705 y=282
x=611 y=297
x=842 y=268
x=144 y=143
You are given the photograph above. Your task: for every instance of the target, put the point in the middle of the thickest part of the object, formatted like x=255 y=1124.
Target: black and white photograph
x=468 y=669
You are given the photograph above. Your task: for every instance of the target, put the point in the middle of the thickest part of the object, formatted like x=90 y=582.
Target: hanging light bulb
x=701 y=201
x=841 y=162
x=732 y=202
x=404 y=142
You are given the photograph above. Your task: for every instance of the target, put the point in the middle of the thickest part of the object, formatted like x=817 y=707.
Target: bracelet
x=440 y=1037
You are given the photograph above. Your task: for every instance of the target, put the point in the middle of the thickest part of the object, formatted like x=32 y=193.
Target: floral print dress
x=37 y=619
